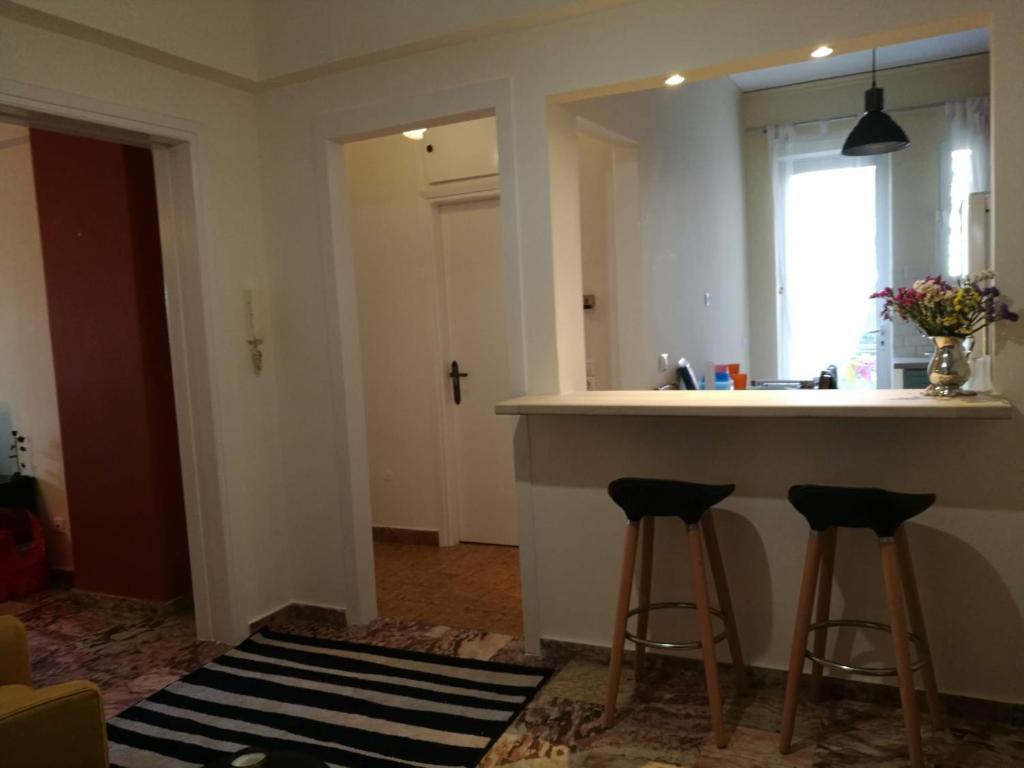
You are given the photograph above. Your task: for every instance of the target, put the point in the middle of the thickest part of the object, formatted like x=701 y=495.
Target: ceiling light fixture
x=876 y=133
x=675 y=79
x=821 y=52
x=415 y=134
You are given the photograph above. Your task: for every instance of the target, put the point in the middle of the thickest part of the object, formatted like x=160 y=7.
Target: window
x=964 y=170
x=832 y=251
x=961 y=184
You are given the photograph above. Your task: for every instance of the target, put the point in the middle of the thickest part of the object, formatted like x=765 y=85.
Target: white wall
x=643 y=42
x=981 y=507
x=915 y=178
x=215 y=33
x=326 y=31
x=691 y=223
x=28 y=389
x=393 y=241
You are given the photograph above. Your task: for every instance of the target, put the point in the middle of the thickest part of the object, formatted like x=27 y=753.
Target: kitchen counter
x=804 y=403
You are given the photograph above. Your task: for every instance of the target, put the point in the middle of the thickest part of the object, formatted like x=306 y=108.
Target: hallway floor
x=132 y=652
x=475 y=586
x=127 y=648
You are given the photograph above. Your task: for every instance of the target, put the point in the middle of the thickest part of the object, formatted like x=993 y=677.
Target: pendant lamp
x=876 y=133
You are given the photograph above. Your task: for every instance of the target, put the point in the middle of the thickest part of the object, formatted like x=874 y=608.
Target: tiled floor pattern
x=468 y=585
x=663 y=722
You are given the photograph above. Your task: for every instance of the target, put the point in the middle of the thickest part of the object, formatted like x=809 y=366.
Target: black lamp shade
x=876 y=133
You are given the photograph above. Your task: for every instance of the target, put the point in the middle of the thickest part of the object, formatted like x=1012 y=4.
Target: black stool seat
x=882 y=511
x=642 y=497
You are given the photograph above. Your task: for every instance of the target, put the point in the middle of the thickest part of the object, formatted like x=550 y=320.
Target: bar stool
x=643 y=500
x=828 y=508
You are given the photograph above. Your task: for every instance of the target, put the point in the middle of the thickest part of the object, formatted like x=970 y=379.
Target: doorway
x=425 y=220
x=87 y=381
x=180 y=178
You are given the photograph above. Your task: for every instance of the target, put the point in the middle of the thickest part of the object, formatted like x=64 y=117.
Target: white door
x=480 y=449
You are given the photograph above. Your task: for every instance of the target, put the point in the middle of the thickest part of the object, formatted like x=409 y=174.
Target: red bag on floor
x=22 y=554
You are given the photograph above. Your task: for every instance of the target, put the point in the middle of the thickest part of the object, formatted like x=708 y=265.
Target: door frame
x=405 y=111
x=623 y=236
x=190 y=279
x=451 y=506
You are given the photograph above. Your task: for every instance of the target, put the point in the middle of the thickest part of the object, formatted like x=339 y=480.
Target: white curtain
x=831 y=220
x=965 y=169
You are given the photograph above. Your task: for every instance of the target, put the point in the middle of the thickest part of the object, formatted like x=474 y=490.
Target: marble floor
x=468 y=585
x=131 y=651
x=126 y=647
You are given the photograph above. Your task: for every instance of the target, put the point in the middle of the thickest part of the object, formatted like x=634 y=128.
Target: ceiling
x=965 y=43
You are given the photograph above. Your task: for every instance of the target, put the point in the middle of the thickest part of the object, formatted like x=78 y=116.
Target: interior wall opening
x=758 y=242
x=425 y=225
x=87 y=377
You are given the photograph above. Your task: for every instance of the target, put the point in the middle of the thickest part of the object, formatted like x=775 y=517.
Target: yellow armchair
x=57 y=727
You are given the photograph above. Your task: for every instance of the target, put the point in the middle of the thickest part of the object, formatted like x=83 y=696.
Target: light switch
x=663 y=361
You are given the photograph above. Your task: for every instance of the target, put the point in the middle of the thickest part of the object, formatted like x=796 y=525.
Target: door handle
x=456 y=376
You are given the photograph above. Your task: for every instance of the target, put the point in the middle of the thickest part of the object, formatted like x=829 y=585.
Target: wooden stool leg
x=646 y=563
x=827 y=567
x=913 y=598
x=808 y=583
x=898 y=621
x=621 y=617
x=707 y=636
x=707 y=523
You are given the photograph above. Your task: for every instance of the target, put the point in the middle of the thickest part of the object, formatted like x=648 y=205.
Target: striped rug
x=348 y=704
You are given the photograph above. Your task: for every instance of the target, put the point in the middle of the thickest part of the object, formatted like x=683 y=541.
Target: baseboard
x=1002 y=712
x=61 y=578
x=153 y=607
x=392 y=535
x=299 y=613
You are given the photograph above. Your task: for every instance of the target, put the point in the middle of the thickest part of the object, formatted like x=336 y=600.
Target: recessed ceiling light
x=821 y=52
x=676 y=79
x=415 y=134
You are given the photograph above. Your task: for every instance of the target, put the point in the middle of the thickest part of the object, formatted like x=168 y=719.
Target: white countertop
x=801 y=403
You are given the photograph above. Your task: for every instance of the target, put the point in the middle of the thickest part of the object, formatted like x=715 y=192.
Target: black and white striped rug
x=348 y=704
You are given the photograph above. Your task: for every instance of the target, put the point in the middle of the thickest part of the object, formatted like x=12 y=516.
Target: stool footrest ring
x=691 y=645
x=922 y=661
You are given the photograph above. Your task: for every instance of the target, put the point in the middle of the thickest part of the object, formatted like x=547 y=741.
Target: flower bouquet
x=948 y=313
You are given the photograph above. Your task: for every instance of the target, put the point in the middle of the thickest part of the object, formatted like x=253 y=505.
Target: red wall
x=104 y=287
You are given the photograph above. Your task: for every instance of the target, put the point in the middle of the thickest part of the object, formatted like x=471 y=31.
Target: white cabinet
x=466 y=150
